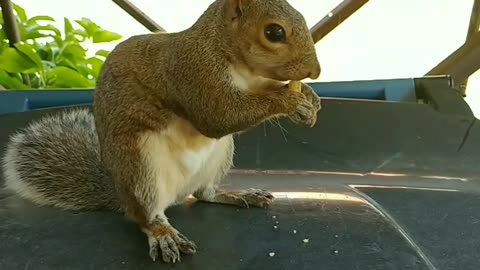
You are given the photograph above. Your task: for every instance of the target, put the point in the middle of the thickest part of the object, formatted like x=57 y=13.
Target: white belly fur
x=194 y=160
x=173 y=157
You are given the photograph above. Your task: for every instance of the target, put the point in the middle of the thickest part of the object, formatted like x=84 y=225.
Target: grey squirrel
x=166 y=108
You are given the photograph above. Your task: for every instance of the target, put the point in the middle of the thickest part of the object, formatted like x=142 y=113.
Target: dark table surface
x=386 y=210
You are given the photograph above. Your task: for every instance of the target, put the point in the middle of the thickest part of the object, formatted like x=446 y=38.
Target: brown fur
x=193 y=139
x=165 y=110
x=159 y=230
x=148 y=80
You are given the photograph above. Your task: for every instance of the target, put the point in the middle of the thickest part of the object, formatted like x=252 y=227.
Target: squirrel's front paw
x=166 y=241
x=312 y=97
x=304 y=110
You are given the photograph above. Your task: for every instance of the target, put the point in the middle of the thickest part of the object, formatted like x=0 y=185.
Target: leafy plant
x=47 y=57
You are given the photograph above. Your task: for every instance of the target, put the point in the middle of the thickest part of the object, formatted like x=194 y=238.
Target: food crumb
x=336 y=251
x=275 y=227
x=306 y=240
x=271 y=254
x=336 y=235
x=294 y=231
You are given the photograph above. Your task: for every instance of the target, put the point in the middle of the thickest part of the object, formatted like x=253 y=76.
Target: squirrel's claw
x=184 y=245
x=166 y=246
x=152 y=242
x=312 y=97
x=258 y=197
x=170 y=244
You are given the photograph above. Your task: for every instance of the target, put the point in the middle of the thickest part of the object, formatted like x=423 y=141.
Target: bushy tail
x=55 y=161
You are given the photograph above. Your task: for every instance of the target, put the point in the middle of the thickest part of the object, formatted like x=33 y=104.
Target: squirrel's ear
x=234 y=8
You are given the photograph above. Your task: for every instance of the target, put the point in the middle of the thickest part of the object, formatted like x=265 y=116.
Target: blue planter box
x=395 y=90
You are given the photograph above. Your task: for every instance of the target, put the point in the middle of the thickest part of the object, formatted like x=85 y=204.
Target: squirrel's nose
x=315 y=70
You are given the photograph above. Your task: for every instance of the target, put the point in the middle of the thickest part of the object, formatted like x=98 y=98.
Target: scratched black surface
x=445 y=224
x=343 y=234
x=395 y=228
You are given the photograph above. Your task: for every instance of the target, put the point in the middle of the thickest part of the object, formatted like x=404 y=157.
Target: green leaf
x=22 y=30
x=68 y=28
x=80 y=65
x=34 y=44
x=45 y=51
x=63 y=77
x=22 y=15
x=35 y=82
x=13 y=61
x=49 y=64
x=28 y=51
x=3 y=36
x=103 y=53
x=73 y=52
x=105 y=36
x=35 y=35
x=46 y=28
x=98 y=34
x=10 y=82
x=33 y=21
x=80 y=33
x=96 y=66
x=38 y=31
x=72 y=33
x=83 y=69
x=62 y=61
x=77 y=36
x=3 y=45
x=58 y=40
x=89 y=26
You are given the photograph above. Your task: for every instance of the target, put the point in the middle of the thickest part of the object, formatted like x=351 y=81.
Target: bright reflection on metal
x=333 y=173
x=445 y=178
x=291 y=172
x=305 y=196
x=403 y=187
x=317 y=196
x=388 y=174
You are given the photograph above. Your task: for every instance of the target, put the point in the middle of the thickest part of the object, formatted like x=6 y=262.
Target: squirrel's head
x=272 y=38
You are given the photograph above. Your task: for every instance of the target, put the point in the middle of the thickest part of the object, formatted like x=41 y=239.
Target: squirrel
x=165 y=112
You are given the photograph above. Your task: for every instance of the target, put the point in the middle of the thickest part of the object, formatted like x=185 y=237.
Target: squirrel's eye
x=275 y=33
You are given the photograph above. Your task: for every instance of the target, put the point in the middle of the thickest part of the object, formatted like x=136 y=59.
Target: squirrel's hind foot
x=165 y=240
x=247 y=198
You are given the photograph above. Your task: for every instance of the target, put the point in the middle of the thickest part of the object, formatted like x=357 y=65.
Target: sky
x=385 y=39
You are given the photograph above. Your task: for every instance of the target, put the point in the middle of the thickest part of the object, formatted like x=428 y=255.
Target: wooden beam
x=138 y=15
x=461 y=63
x=335 y=17
x=474 y=25
x=465 y=60
x=10 y=22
